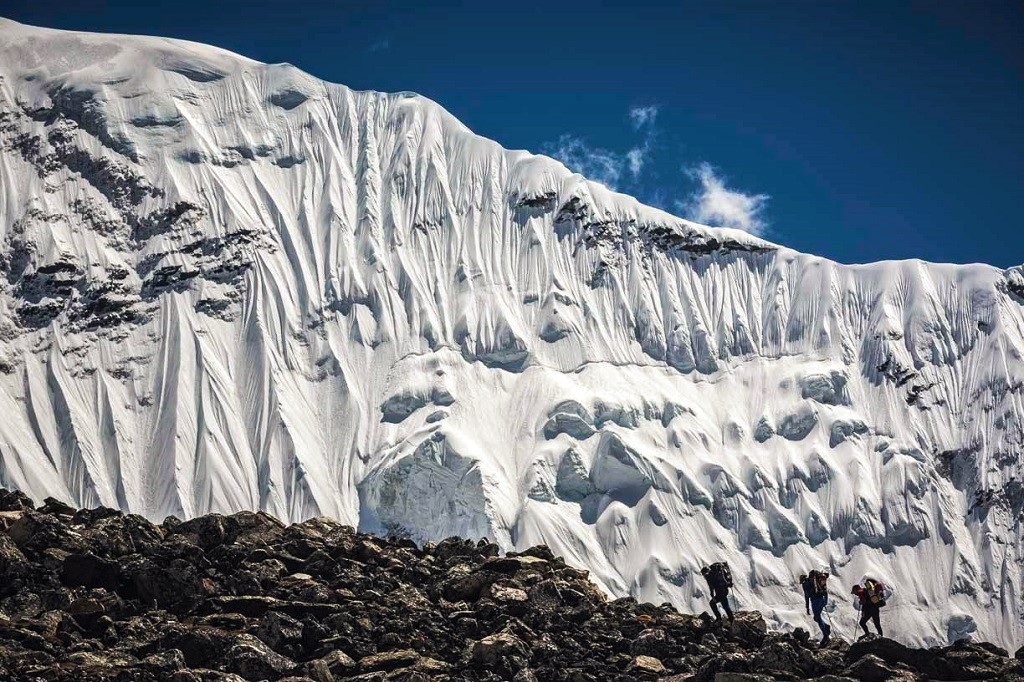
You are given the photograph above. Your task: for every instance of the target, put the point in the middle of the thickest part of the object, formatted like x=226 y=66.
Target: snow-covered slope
x=231 y=285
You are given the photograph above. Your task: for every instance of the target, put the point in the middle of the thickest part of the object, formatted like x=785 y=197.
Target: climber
x=816 y=597
x=870 y=598
x=719 y=579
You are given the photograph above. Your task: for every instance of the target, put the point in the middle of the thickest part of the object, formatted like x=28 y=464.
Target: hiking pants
x=870 y=612
x=817 y=606
x=720 y=595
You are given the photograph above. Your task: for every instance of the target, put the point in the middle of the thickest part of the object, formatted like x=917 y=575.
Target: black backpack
x=721 y=576
x=819 y=582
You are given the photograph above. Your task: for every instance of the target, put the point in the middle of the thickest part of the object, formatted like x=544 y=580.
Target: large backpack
x=721 y=576
x=876 y=592
x=819 y=583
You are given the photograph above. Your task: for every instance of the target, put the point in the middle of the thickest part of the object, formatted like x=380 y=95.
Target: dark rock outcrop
x=100 y=595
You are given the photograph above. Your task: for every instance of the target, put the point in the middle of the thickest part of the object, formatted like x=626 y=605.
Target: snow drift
x=230 y=285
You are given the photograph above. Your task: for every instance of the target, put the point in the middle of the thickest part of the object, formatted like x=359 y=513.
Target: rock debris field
x=101 y=595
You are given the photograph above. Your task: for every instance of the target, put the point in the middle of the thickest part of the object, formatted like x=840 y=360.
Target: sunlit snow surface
x=231 y=285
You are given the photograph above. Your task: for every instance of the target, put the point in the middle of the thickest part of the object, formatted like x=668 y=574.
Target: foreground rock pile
x=100 y=595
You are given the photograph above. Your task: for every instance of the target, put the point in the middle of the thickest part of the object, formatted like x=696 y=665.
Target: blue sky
x=855 y=130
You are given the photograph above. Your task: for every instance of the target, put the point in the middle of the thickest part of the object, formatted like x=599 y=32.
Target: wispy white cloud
x=634 y=171
x=644 y=120
x=596 y=163
x=610 y=168
x=643 y=116
x=637 y=157
x=380 y=45
x=715 y=204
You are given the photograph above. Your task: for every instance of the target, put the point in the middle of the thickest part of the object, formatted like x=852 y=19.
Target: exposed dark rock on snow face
x=179 y=255
x=99 y=595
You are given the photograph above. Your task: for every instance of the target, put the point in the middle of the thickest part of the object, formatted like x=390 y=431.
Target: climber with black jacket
x=870 y=598
x=816 y=598
x=719 y=579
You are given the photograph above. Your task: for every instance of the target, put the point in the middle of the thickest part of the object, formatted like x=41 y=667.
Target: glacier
x=231 y=285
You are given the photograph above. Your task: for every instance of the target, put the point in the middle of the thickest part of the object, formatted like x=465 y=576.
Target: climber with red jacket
x=870 y=598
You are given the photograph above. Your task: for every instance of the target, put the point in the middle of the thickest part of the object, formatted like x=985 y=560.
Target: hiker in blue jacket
x=816 y=598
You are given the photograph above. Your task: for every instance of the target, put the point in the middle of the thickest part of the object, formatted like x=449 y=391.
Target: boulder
x=144 y=535
x=425 y=664
x=35 y=531
x=256 y=528
x=389 y=660
x=970 y=660
x=785 y=656
x=12 y=561
x=278 y=631
x=177 y=587
x=871 y=668
x=649 y=642
x=506 y=594
x=86 y=610
x=164 y=663
x=645 y=665
x=201 y=646
x=14 y=501
x=250 y=606
x=89 y=570
x=254 y=660
x=749 y=628
x=109 y=536
x=336 y=664
x=895 y=653
x=55 y=507
x=496 y=651
x=88 y=517
x=510 y=565
x=730 y=662
x=464 y=584
x=208 y=531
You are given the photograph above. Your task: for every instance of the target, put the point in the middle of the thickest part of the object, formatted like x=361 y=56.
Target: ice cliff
x=230 y=285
